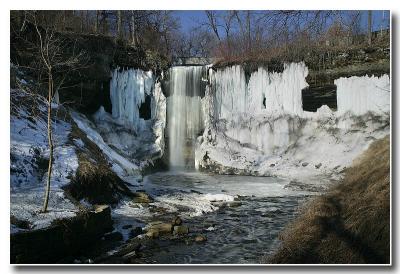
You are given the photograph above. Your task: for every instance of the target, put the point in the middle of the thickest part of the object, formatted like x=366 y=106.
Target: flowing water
x=240 y=216
x=241 y=220
x=184 y=116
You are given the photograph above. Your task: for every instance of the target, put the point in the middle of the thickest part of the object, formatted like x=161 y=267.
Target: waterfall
x=184 y=115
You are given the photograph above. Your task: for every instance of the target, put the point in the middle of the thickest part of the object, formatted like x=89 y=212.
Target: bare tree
x=369 y=28
x=56 y=58
x=213 y=23
x=119 y=24
x=132 y=27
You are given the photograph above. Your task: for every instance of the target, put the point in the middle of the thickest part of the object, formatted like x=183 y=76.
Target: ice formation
x=184 y=110
x=258 y=127
x=362 y=94
x=128 y=89
x=131 y=142
x=264 y=91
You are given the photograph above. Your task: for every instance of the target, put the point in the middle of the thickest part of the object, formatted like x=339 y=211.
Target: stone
x=318 y=166
x=129 y=255
x=114 y=236
x=135 y=232
x=159 y=229
x=142 y=198
x=163 y=228
x=181 y=230
x=177 y=221
x=200 y=238
x=304 y=164
x=152 y=234
x=272 y=165
x=234 y=204
x=126 y=226
x=101 y=208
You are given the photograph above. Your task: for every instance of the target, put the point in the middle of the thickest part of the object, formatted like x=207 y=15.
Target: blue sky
x=189 y=18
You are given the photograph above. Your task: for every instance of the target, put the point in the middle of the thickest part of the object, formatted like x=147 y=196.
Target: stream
x=241 y=216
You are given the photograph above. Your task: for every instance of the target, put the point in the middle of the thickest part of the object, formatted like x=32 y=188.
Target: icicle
x=128 y=89
x=362 y=94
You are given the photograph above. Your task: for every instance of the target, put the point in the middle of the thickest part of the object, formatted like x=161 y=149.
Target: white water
x=184 y=111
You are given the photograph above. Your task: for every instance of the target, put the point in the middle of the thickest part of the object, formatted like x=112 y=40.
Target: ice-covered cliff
x=258 y=126
x=264 y=91
x=128 y=89
x=362 y=94
x=135 y=128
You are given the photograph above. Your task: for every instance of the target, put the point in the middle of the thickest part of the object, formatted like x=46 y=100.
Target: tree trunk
x=119 y=24
x=50 y=140
x=96 y=22
x=369 y=28
x=133 y=29
x=248 y=31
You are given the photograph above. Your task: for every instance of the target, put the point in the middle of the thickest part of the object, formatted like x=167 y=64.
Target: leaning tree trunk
x=50 y=140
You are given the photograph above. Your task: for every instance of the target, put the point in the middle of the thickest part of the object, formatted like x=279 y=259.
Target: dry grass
x=349 y=224
x=94 y=179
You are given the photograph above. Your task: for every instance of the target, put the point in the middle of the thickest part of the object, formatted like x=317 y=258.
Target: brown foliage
x=349 y=224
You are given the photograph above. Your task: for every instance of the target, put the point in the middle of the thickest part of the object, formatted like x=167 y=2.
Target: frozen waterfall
x=360 y=95
x=265 y=91
x=128 y=89
x=184 y=116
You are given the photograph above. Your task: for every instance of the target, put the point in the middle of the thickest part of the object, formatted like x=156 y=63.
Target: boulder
x=177 y=221
x=135 y=232
x=181 y=230
x=142 y=198
x=200 y=238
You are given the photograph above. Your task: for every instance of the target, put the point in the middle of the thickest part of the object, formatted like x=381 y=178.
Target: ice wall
x=128 y=89
x=184 y=111
x=159 y=115
x=359 y=95
x=264 y=91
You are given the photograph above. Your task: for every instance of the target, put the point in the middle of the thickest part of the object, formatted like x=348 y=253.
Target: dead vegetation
x=349 y=224
x=94 y=180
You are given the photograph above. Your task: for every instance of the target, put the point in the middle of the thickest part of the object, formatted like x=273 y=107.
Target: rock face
x=87 y=88
x=65 y=237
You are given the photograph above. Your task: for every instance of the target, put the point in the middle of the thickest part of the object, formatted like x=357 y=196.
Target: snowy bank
x=29 y=158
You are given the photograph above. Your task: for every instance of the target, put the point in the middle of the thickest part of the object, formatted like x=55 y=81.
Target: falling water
x=184 y=113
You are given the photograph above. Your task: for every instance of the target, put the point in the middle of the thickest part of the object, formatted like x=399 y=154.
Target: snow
x=362 y=94
x=128 y=89
x=130 y=142
x=120 y=165
x=281 y=139
x=29 y=148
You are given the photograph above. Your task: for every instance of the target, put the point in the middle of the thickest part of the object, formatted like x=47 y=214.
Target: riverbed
x=240 y=216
